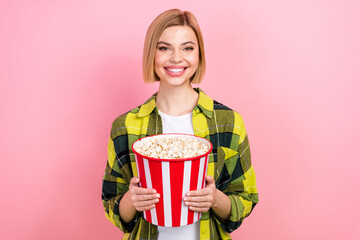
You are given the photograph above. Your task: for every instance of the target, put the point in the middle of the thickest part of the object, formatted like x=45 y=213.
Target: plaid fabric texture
x=229 y=164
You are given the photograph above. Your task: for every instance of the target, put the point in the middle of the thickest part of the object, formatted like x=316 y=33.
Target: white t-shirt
x=178 y=124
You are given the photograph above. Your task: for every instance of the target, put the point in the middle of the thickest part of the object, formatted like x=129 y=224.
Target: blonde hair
x=169 y=18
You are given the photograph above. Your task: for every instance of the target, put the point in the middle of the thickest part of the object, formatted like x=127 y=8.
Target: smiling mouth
x=175 y=70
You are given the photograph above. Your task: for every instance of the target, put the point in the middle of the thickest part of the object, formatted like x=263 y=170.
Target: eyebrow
x=168 y=44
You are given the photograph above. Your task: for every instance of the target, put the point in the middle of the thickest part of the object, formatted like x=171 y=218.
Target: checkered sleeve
x=115 y=185
x=241 y=188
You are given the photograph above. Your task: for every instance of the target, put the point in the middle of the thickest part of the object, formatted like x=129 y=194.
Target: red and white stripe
x=172 y=180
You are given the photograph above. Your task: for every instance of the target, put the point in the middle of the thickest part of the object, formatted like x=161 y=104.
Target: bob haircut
x=169 y=18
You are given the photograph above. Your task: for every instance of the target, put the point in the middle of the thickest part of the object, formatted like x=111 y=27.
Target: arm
x=115 y=186
x=209 y=197
x=123 y=200
x=137 y=199
x=241 y=188
x=235 y=179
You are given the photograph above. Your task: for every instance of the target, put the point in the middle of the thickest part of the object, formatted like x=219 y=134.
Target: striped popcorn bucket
x=172 y=179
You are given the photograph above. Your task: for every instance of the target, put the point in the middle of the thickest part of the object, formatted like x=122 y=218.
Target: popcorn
x=171 y=147
x=172 y=164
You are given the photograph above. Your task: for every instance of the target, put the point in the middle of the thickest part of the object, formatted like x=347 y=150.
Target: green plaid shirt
x=229 y=164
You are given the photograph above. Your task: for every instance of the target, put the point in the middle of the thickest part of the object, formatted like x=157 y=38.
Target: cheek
x=157 y=59
x=158 y=63
x=160 y=59
x=194 y=60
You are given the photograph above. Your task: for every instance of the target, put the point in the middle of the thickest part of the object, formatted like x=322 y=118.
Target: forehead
x=178 y=34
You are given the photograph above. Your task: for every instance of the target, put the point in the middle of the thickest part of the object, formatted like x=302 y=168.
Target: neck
x=176 y=100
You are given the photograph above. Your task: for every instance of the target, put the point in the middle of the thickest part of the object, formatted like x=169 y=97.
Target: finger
x=209 y=180
x=199 y=204
x=145 y=197
x=200 y=192
x=140 y=209
x=195 y=209
x=135 y=181
x=143 y=191
x=146 y=203
x=207 y=198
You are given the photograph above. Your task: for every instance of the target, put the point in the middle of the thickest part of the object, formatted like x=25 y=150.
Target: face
x=177 y=55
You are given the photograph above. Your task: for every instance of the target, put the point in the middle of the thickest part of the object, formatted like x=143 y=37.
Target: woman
x=174 y=55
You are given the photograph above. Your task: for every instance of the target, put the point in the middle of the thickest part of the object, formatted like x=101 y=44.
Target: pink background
x=291 y=68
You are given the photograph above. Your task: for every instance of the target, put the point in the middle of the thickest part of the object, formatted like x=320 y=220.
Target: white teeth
x=176 y=70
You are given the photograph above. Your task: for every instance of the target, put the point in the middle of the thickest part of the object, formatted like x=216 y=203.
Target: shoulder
x=118 y=126
x=227 y=113
x=230 y=123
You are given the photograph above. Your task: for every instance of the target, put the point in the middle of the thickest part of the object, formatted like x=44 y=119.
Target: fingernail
x=186 y=203
x=154 y=191
x=188 y=194
x=185 y=199
x=157 y=195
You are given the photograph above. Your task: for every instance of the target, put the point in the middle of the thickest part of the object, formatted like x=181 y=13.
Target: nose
x=176 y=56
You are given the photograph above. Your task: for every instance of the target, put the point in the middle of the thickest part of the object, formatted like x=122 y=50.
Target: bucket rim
x=172 y=159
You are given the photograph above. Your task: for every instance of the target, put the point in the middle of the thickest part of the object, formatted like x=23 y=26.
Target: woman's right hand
x=142 y=199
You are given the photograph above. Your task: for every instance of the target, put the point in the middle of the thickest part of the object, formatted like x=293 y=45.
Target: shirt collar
x=204 y=104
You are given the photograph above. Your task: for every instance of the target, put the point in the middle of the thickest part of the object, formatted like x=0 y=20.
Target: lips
x=175 y=70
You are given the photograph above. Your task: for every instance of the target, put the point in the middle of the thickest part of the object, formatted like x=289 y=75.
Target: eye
x=163 y=48
x=188 y=48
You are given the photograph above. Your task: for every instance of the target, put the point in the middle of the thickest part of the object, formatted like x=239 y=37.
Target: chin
x=177 y=82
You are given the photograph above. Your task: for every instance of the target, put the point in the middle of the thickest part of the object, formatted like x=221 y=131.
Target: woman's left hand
x=202 y=200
